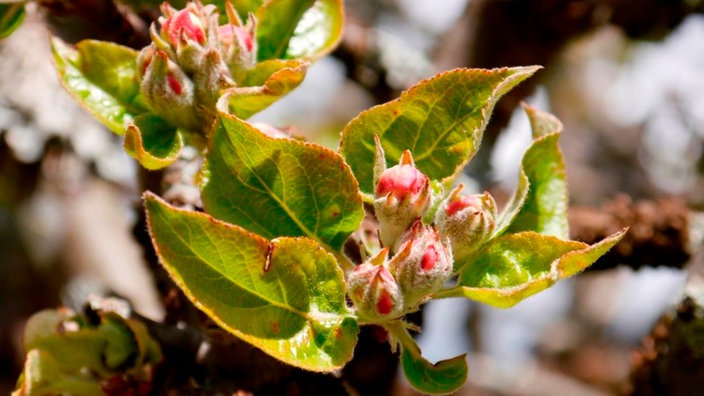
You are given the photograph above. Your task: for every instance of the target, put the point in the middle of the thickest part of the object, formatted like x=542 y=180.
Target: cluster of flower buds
x=467 y=220
x=192 y=59
x=384 y=289
x=402 y=196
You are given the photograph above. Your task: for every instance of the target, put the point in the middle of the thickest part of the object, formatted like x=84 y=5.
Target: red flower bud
x=422 y=263
x=402 y=196
x=183 y=23
x=467 y=220
x=374 y=291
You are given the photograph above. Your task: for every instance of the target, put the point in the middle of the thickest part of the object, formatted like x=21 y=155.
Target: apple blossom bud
x=168 y=91
x=374 y=291
x=467 y=220
x=239 y=46
x=422 y=263
x=402 y=195
x=182 y=24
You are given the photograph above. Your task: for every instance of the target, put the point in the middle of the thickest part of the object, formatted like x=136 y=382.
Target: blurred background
x=625 y=77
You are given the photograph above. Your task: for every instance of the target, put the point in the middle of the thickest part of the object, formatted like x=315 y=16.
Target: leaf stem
x=398 y=329
x=450 y=292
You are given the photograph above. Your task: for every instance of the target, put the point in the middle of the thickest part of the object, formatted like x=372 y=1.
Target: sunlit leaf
x=152 y=141
x=440 y=120
x=285 y=296
x=277 y=22
x=515 y=266
x=268 y=82
x=540 y=201
x=279 y=187
x=318 y=32
x=103 y=78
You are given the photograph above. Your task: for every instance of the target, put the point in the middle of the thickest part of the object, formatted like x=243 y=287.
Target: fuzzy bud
x=239 y=46
x=422 y=263
x=167 y=89
x=374 y=291
x=184 y=24
x=467 y=220
x=402 y=195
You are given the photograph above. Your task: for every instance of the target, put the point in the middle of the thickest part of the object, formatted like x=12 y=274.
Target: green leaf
x=11 y=17
x=45 y=374
x=104 y=79
x=443 y=377
x=277 y=22
x=285 y=296
x=318 y=32
x=440 y=120
x=68 y=354
x=540 y=201
x=279 y=187
x=265 y=84
x=152 y=141
x=515 y=266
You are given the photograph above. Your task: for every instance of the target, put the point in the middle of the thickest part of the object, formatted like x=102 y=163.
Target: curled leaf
x=103 y=78
x=268 y=82
x=540 y=201
x=153 y=142
x=515 y=266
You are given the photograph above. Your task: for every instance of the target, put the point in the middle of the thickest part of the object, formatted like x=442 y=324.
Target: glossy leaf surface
x=515 y=266
x=440 y=120
x=540 y=201
x=103 y=78
x=266 y=83
x=285 y=296
x=279 y=187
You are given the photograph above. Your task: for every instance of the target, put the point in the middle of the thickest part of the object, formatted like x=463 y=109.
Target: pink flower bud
x=239 y=45
x=467 y=220
x=168 y=91
x=402 y=195
x=422 y=263
x=184 y=23
x=374 y=291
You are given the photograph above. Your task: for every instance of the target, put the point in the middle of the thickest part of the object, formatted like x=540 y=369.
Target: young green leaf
x=318 y=32
x=103 y=78
x=11 y=17
x=277 y=22
x=515 y=266
x=443 y=377
x=279 y=187
x=440 y=120
x=266 y=83
x=152 y=141
x=540 y=201
x=292 y=286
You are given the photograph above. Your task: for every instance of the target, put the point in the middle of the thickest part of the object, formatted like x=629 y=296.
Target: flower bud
x=167 y=89
x=184 y=24
x=422 y=263
x=239 y=46
x=467 y=220
x=374 y=291
x=402 y=195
